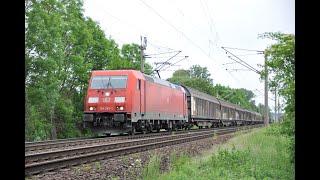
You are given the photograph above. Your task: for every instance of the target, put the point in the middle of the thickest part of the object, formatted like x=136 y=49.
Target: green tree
x=199 y=72
x=62 y=47
x=198 y=77
x=131 y=55
x=180 y=76
x=281 y=63
x=241 y=97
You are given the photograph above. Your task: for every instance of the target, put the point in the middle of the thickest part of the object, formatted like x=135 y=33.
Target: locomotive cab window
x=108 y=82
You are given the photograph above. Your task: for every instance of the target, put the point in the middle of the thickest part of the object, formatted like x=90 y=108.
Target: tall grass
x=255 y=155
x=153 y=169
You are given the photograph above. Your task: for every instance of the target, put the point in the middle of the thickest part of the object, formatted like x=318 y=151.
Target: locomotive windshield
x=107 y=82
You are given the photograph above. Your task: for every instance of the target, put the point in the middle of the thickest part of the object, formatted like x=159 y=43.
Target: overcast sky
x=198 y=28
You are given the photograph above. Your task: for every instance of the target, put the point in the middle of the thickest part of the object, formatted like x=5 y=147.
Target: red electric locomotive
x=126 y=101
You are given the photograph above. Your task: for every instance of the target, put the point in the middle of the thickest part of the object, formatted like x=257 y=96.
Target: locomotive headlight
x=91 y=108
x=119 y=99
x=120 y=108
x=107 y=94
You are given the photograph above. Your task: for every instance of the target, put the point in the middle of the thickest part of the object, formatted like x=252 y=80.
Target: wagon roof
x=227 y=104
x=202 y=95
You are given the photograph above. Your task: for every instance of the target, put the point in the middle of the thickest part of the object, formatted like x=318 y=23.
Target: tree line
x=281 y=63
x=62 y=47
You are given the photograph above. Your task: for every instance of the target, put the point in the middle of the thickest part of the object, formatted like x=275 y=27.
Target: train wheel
x=133 y=131
x=174 y=127
x=151 y=128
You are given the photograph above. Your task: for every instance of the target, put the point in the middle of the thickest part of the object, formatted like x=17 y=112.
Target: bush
x=36 y=127
x=285 y=128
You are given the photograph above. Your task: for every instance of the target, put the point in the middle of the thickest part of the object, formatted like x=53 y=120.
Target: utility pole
x=275 y=104
x=142 y=47
x=278 y=108
x=243 y=63
x=266 y=120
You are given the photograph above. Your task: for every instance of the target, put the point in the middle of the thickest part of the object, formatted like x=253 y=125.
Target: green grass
x=255 y=155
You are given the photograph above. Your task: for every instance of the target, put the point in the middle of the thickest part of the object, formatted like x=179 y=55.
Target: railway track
x=46 y=161
x=31 y=147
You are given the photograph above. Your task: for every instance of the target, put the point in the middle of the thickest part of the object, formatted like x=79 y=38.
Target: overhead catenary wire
x=158 y=46
x=162 y=53
x=217 y=37
x=210 y=22
x=126 y=23
x=158 y=68
x=246 y=64
x=185 y=57
x=131 y=25
x=242 y=62
x=183 y=34
x=170 y=24
x=138 y=29
x=192 y=42
x=239 y=62
x=234 y=78
x=248 y=54
x=160 y=57
x=161 y=65
x=229 y=63
x=239 y=69
x=259 y=51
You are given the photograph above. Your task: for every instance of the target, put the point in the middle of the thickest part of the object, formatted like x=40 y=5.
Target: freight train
x=128 y=101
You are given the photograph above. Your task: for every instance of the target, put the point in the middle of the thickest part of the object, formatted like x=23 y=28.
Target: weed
x=98 y=165
x=152 y=171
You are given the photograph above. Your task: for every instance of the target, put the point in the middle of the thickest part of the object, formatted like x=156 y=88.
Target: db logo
x=107 y=99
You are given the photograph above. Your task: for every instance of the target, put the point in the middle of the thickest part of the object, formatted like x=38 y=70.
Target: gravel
x=131 y=166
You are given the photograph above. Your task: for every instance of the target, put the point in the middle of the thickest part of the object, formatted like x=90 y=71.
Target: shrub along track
x=47 y=161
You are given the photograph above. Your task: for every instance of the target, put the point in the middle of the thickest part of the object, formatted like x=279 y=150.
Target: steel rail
x=51 y=144
x=60 y=153
x=38 y=167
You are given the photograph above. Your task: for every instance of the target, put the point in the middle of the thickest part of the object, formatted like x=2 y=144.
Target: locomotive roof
x=162 y=82
x=135 y=73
